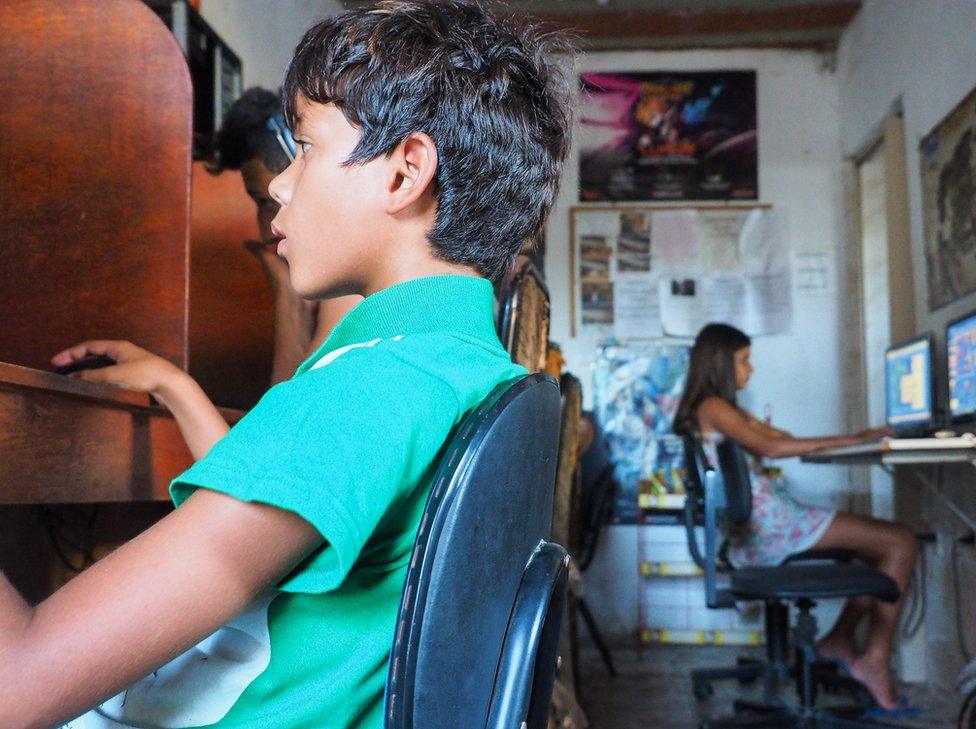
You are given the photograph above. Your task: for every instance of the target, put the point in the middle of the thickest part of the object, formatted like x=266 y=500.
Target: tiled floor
x=655 y=692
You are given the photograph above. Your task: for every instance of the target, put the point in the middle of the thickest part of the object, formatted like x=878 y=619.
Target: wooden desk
x=67 y=441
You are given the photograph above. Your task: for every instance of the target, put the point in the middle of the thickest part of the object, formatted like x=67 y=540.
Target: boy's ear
x=413 y=165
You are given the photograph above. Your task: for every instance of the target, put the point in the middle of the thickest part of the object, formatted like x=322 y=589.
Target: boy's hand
x=134 y=368
x=275 y=267
x=295 y=317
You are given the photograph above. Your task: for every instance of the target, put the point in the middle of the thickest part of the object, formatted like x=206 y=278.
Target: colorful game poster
x=635 y=395
x=669 y=136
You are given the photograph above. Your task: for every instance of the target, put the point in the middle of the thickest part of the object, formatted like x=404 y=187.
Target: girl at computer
x=780 y=525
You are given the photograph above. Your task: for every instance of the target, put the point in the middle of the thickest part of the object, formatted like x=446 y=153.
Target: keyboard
x=886 y=445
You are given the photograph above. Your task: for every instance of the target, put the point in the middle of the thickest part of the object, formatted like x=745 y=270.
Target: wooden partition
x=95 y=132
x=231 y=328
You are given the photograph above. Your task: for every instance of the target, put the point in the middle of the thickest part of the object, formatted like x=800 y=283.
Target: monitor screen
x=961 y=360
x=908 y=378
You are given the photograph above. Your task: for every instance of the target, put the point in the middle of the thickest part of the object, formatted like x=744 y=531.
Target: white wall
x=921 y=54
x=798 y=373
x=264 y=34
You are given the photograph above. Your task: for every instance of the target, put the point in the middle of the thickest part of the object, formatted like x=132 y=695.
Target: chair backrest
x=737 y=482
x=475 y=641
x=598 y=487
x=565 y=503
x=696 y=465
x=523 y=324
x=705 y=505
x=596 y=504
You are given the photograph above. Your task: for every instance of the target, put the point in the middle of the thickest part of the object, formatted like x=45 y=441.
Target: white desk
x=916 y=459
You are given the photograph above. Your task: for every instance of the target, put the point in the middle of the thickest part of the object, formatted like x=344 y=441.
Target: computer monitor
x=961 y=367
x=909 y=401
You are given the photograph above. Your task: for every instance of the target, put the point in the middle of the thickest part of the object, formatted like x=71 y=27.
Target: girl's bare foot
x=876 y=677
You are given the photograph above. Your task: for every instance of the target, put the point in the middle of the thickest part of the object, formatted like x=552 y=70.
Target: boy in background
x=248 y=143
x=431 y=140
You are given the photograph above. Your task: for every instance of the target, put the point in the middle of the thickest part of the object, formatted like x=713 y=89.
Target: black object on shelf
x=215 y=70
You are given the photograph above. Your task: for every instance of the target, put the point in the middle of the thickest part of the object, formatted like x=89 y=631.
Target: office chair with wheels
x=724 y=497
x=478 y=627
x=777 y=666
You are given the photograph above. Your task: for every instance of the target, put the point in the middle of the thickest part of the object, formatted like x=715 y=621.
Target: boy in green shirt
x=431 y=140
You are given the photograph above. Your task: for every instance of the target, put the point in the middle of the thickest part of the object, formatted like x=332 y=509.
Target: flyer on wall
x=669 y=136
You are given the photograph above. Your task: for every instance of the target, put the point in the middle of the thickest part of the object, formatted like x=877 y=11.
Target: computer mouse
x=94 y=362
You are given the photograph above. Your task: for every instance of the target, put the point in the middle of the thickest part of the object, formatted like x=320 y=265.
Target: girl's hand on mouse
x=134 y=369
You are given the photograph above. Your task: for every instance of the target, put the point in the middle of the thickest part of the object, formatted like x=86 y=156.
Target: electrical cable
x=72 y=538
x=960 y=632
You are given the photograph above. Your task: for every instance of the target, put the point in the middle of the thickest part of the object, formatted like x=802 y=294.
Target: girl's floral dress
x=780 y=525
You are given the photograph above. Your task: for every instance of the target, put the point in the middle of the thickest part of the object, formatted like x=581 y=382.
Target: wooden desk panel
x=68 y=441
x=95 y=137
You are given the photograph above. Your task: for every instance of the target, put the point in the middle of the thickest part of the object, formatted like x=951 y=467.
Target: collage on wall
x=635 y=395
x=948 y=166
x=649 y=272
x=668 y=136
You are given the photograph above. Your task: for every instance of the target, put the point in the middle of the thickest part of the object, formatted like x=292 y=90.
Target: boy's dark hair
x=245 y=134
x=488 y=91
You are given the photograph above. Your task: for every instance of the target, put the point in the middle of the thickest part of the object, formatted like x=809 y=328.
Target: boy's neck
x=409 y=260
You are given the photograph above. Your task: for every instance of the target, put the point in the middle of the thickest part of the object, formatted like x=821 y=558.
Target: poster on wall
x=636 y=389
x=668 y=136
x=647 y=272
x=948 y=164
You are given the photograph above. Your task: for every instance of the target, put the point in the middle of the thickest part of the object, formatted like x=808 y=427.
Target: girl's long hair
x=711 y=372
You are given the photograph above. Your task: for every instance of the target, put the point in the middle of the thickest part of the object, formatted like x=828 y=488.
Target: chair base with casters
x=773 y=711
x=724 y=495
x=777 y=668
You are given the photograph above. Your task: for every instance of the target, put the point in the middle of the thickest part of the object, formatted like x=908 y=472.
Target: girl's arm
x=136 y=369
x=716 y=414
x=764 y=426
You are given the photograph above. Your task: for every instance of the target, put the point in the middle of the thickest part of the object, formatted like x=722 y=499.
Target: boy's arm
x=144 y=604
x=294 y=316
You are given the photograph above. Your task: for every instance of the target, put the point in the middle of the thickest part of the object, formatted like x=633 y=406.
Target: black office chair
x=477 y=631
x=725 y=498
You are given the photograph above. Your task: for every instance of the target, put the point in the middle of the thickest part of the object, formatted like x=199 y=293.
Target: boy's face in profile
x=332 y=223
x=257 y=177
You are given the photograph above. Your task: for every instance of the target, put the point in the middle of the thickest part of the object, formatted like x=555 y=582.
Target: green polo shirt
x=351 y=444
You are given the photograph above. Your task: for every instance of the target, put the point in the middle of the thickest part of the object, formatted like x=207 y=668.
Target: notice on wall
x=636 y=308
x=813 y=273
x=645 y=272
x=675 y=233
x=755 y=303
x=718 y=238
